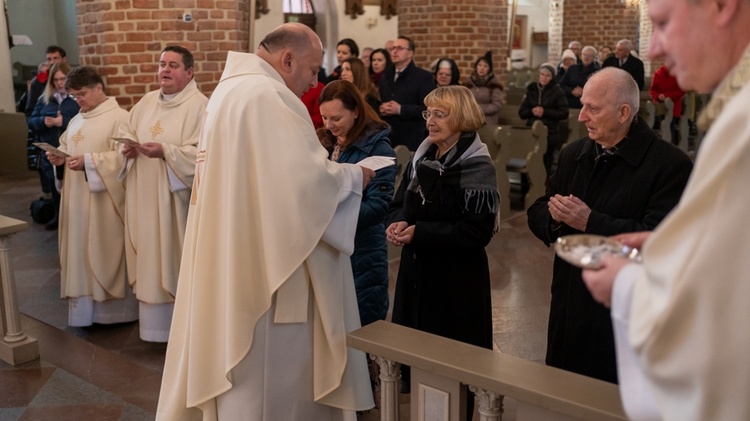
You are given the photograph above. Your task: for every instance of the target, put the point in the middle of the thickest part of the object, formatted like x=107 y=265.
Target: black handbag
x=42 y=210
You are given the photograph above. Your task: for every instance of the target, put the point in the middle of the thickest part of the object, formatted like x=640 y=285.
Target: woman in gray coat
x=486 y=88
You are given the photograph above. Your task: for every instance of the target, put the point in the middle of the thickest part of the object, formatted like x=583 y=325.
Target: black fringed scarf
x=468 y=167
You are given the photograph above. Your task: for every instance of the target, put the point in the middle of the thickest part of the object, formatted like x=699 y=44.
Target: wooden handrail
x=535 y=384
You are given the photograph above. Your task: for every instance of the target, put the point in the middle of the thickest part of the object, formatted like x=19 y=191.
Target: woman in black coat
x=443 y=215
x=545 y=101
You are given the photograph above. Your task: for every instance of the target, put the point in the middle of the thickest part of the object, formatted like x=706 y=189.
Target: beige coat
x=259 y=233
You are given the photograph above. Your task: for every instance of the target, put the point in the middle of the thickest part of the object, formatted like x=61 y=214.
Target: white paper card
x=377 y=162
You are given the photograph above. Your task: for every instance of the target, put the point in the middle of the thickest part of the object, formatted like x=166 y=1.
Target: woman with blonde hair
x=354 y=70
x=49 y=120
x=443 y=215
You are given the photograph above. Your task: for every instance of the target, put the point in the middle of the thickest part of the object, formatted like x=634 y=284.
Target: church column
x=490 y=404
x=390 y=377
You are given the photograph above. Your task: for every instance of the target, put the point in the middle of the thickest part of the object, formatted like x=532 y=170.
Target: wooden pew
x=576 y=129
x=508 y=116
x=521 y=149
x=403 y=155
x=13 y=142
x=490 y=136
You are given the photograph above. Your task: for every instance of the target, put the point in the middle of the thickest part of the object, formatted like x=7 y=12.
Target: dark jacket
x=68 y=108
x=443 y=284
x=370 y=257
x=577 y=75
x=552 y=99
x=631 y=190
x=632 y=65
x=409 y=90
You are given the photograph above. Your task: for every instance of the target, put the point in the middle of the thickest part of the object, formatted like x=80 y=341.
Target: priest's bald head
x=295 y=51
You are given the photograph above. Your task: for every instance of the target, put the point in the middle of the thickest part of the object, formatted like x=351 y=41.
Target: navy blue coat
x=409 y=90
x=370 y=257
x=632 y=190
x=68 y=108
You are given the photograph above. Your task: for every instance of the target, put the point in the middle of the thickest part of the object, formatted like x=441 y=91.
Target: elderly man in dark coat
x=623 y=59
x=621 y=178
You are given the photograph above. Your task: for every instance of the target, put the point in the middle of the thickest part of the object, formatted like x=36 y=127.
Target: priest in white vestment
x=158 y=177
x=91 y=236
x=681 y=317
x=266 y=293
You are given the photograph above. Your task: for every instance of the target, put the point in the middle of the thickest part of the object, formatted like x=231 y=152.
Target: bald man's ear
x=286 y=60
x=726 y=10
x=626 y=113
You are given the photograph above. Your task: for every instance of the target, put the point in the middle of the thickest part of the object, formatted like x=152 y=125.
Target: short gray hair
x=624 y=88
x=626 y=43
x=589 y=48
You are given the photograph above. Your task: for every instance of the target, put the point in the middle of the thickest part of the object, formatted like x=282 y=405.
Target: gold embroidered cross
x=156 y=130
x=78 y=137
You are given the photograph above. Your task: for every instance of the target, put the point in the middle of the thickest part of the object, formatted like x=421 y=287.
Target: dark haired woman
x=486 y=88
x=346 y=48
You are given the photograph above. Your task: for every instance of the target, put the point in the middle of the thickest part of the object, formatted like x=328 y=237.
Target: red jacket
x=664 y=83
x=310 y=99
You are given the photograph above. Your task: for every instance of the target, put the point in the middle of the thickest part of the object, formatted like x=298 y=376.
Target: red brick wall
x=461 y=30
x=599 y=22
x=123 y=40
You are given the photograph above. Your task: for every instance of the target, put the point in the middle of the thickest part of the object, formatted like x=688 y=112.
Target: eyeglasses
x=400 y=48
x=80 y=95
x=590 y=55
x=426 y=114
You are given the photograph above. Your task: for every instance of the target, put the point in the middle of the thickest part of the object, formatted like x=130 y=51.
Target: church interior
x=105 y=372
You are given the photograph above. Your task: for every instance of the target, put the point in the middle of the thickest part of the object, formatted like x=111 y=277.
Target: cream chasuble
x=689 y=311
x=91 y=235
x=271 y=225
x=158 y=191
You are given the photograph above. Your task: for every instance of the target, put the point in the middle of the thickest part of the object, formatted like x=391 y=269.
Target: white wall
x=46 y=23
x=537 y=12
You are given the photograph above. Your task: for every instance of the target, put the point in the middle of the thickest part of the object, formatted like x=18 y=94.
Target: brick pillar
x=462 y=31
x=123 y=39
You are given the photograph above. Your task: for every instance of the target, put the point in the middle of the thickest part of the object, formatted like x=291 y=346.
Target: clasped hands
x=389 y=108
x=399 y=233
x=569 y=210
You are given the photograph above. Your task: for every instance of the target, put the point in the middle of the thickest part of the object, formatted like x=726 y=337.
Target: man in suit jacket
x=626 y=61
x=402 y=89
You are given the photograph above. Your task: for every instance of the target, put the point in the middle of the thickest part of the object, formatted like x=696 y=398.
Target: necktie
x=398 y=73
x=622 y=62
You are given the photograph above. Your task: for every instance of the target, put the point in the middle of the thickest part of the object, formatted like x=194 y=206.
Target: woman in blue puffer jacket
x=50 y=118
x=352 y=131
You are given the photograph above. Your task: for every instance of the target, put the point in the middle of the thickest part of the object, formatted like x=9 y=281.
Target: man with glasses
x=403 y=88
x=92 y=245
x=158 y=176
x=577 y=75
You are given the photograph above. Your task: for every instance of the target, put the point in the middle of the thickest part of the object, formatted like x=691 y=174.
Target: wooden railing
x=439 y=367
x=16 y=347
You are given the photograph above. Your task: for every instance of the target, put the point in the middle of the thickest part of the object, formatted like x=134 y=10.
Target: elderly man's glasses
x=437 y=114
x=400 y=48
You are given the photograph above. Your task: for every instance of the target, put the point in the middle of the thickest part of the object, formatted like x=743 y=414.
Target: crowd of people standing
x=141 y=191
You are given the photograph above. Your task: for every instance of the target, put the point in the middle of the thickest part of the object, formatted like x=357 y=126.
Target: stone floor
x=108 y=373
